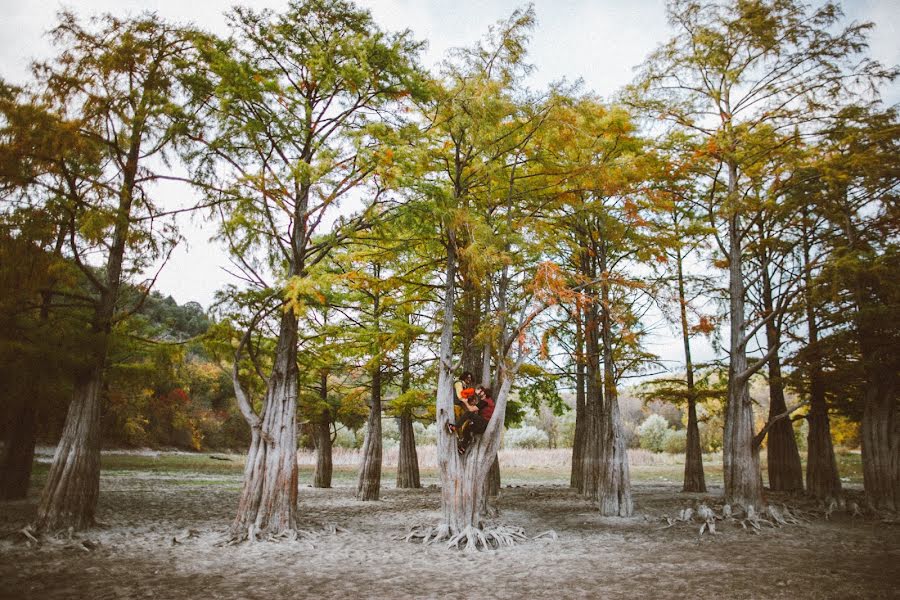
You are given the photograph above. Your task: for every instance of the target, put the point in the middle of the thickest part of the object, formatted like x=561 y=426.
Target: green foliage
x=526 y=436
x=674 y=441
x=652 y=433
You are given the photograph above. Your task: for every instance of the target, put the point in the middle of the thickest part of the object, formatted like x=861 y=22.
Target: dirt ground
x=133 y=554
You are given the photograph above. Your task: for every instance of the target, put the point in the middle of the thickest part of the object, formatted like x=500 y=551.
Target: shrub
x=675 y=441
x=526 y=436
x=652 y=432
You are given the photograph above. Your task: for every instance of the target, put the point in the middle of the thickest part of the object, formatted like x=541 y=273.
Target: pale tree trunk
x=822 y=479
x=369 y=485
x=268 y=500
x=463 y=478
x=70 y=495
x=577 y=476
x=408 y=459
x=69 y=498
x=694 y=479
x=785 y=470
x=743 y=486
x=614 y=489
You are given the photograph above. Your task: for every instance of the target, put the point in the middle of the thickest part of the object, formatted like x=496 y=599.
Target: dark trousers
x=470 y=424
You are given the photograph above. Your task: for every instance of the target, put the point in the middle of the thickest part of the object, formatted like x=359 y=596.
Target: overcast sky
x=599 y=41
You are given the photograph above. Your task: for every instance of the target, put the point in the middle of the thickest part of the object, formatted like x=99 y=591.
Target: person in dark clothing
x=476 y=418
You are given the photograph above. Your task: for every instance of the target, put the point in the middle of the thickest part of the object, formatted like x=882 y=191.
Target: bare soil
x=133 y=555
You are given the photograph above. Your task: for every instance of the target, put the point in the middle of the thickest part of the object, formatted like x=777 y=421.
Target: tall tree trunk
x=408 y=459
x=268 y=500
x=880 y=433
x=740 y=458
x=369 y=485
x=880 y=430
x=577 y=476
x=70 y=495
x=614 y=493
x=785 y=470
x=20 y=436
x=324 y=462
x=18 y=454
x=593 y=402
x=822 y=479
x=69 y=498
x=463 y=478
x=694 y=479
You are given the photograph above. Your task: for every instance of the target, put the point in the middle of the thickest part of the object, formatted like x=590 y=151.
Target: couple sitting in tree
x=472 y=407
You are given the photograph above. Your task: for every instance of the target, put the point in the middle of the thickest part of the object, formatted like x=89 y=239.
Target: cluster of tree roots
x=753 y=519
x=472 y=539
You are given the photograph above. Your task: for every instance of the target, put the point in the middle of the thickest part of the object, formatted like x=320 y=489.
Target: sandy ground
x=133 y=554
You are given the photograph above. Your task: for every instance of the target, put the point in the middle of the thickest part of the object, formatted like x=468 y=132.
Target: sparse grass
x=518 y=467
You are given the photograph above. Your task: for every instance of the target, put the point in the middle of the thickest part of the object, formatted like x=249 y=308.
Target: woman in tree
x=475 y=419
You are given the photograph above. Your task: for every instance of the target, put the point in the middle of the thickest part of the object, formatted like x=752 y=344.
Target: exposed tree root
x=753 y=520
x=289 y=535
x=472 y=539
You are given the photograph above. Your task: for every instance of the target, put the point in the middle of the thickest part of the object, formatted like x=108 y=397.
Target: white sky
x=599 y=41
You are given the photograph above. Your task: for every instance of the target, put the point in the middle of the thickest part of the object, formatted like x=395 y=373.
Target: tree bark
x=593 y=402
x=369 y=485
x=18 y=454
x=408 y=461
x=268 y=500
x=324 y=464
x=70 y=495
x=880 y=430
x=822 y=479
x=614 y=493
x=880 y=434
x=740 y=458
x=783 y=457
x=576 y=480
x=694 y=478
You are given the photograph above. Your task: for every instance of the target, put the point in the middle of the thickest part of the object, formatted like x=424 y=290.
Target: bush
x=675 y=441
x=652 y=432
x=425 y=436
x=526 y=436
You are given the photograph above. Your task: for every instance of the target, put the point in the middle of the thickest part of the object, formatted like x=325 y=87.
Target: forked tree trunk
x=18 y=455
x=463 y=478
x=369 y=485
x=324 y=464
x=408 y=460
x=614 y=489
x=822 y=479
x=268 y=500
x=70 y=495
x=740 y=459
x=577 y=477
